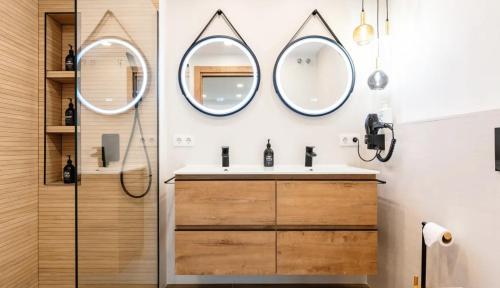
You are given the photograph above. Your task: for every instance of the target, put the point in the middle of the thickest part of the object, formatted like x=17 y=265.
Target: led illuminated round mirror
x=113 y=76
x=219 y=75
x=314 y=75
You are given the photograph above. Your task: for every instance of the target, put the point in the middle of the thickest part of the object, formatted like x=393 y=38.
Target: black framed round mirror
x=219 y=75
x=314 y=75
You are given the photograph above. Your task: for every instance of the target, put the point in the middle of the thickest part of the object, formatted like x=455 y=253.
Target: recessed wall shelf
x=61 y=129
x=59 y=183
x=65 y=77
x=59 y=89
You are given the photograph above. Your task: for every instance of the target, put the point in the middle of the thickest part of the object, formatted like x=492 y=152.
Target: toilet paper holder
x=447 y=238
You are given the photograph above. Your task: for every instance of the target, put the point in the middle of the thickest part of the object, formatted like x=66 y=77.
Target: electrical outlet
x=347 y=140
x=183 y=140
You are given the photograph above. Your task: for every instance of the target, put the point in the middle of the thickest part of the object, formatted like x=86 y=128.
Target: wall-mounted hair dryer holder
x=375 y=142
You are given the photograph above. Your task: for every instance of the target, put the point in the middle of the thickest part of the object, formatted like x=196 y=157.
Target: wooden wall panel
x=18 y=145
x=116 y=234
x=56 y=203
x=56 y=237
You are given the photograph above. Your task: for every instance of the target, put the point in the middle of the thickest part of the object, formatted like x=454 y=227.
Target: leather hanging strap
x=323 y=21
x=219 y=13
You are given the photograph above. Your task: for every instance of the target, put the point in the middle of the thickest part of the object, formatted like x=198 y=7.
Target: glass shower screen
x=117 y=195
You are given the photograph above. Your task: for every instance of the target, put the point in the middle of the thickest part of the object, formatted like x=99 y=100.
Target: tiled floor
x=269 y=286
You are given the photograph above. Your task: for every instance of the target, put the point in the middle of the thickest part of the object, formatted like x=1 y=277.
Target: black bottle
x=268 y=155
x=69 y=63
x=69 y=115
x=69 y=173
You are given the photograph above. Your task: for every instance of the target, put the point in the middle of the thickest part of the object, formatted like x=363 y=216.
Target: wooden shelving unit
x=60 y=183
x=60 y=129
x=59 y=89
x=63 y=77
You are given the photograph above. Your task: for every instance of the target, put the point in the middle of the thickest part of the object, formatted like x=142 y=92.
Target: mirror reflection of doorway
x=222 y=85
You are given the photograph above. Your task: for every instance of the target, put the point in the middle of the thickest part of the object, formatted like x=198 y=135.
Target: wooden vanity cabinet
x=225 y=252
x=276 y=226
x=326 y=203
x=225 y=203
x=326 y=252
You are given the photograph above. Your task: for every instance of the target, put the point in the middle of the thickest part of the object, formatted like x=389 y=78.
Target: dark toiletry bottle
x=69 y=115
x=268 y=155
x=225 y=156
x=69 y=63
x=69 y=174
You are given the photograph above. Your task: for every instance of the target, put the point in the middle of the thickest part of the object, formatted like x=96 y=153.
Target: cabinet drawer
x=326 y=203
x=225 y=203
x=327 y=253
x=225 y=253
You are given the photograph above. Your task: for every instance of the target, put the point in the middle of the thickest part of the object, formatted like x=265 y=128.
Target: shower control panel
x=110 y=148
x=497 y=149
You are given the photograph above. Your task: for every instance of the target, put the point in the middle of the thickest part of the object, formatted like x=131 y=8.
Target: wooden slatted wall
x=18 y=144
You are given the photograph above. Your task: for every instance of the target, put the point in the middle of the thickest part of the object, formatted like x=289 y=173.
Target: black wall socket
x=497 y=149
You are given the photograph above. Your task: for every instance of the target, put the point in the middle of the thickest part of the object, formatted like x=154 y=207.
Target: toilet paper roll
x=434 y=233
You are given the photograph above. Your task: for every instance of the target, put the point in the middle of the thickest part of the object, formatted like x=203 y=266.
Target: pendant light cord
x=378 y=35
x=362 y=5
x=387 y=10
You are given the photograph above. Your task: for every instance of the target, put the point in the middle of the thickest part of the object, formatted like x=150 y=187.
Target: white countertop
x=278 y=170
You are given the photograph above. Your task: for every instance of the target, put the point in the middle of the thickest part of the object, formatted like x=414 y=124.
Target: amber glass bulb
x=364 y=33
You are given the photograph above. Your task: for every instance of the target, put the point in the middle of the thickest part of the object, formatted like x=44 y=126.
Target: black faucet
x=309 y=156
x=225 y=156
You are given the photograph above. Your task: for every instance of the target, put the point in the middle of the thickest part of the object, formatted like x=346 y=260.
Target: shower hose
x=137 y=122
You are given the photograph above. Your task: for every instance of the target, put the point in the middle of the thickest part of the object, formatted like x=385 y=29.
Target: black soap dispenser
x=69 y=115
x=69 y=63
x=69 y=173
x=268 y=155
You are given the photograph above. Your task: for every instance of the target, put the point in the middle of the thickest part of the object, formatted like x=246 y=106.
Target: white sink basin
x=278 y=170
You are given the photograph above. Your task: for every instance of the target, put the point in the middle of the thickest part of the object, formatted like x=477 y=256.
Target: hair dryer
x=376 y=141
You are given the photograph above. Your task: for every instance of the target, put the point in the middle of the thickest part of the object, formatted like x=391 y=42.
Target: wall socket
x=347 y=139
x=182 y=140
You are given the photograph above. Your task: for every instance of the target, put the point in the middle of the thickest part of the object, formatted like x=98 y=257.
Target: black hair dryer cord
x=137 y=121
x=389 y=154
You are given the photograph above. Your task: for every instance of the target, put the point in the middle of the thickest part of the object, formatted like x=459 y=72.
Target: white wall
x=266 y=26
x=445 y=63
x=442 y=171
x=445 y=57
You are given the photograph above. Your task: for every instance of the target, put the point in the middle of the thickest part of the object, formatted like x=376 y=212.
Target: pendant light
x=378 y=80
x=364 y=33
